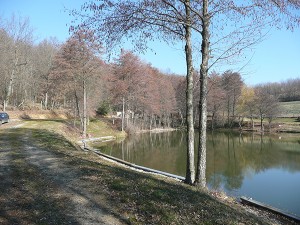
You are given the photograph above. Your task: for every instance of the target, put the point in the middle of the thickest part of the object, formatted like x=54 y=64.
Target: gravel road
x=39 y=186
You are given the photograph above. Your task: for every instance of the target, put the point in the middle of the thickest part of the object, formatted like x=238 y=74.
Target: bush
x=103 y=109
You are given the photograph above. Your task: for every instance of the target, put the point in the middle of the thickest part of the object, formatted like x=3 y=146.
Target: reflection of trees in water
x=163 y=151
x=231 y=156
x=225 y=169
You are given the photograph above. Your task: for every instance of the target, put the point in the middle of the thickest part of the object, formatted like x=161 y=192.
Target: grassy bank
x=62 y=123
x=138 y=197
x=289 y=109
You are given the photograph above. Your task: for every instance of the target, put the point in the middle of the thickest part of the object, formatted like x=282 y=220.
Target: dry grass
x=137 y=198
x=289 y=109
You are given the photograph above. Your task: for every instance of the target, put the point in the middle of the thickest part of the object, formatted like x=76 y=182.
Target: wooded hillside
x=74 y=76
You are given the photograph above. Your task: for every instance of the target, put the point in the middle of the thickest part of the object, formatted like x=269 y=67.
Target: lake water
x=265 y=168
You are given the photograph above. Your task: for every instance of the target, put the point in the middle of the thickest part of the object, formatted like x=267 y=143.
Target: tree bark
x=11 y=79
x=123 y=113
x=78 y=108
x=228 y=112
x=261 y=123
x=46 y=100
x=84 y=133
x=201 y=161
x=190 y=169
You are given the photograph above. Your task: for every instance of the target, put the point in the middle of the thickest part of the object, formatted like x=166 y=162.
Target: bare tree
x=75 y=65
x=225 y=29
x=228 y=28
x=232 y=85
x=216 y=97
x=266 y=106
x=169 y=21
x=285 y=91
x=20 y=32
x=44 y=54
x=4 y=40
x=247 y=104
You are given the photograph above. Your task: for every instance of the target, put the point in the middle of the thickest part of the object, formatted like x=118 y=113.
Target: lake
x=263 y=167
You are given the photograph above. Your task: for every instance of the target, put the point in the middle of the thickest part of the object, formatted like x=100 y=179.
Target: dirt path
x=39 y=186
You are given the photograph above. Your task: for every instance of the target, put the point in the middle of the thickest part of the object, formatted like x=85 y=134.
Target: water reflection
x=239 y=164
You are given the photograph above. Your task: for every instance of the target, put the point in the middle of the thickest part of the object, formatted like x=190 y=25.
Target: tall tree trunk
x=52 y=104
x=261 y=123
x=46 y=100
x=228 y=112
x=78 y=108
x=84 y=110
x=233 y=105
x=11 y=79
x=190 y=169
x=123 y=113
x=201 y=161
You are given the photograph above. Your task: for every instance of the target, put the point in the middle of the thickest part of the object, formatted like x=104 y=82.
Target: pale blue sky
x=275 y=59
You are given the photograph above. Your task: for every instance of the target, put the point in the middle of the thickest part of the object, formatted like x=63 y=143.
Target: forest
x=74 y=76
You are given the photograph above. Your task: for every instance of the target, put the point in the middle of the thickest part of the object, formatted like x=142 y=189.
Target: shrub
x=103 y=109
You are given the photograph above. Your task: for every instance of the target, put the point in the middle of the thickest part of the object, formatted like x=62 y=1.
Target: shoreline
x=139 y=189
x=218 y=195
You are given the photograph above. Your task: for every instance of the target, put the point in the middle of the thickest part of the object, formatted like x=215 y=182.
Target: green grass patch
x=286 y=120
x=98 y=128
x=289 y=109
x=118 y=185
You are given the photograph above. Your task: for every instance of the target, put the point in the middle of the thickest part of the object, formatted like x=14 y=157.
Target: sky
x=276 y=59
